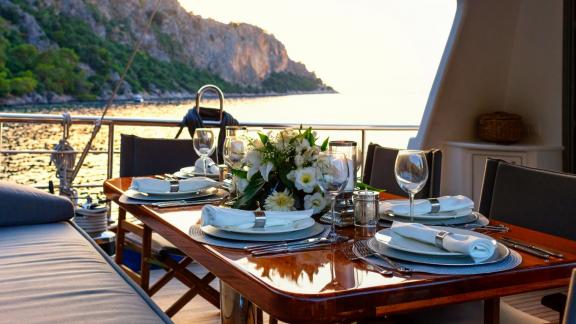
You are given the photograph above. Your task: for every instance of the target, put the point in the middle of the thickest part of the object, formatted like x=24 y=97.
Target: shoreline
x=154 y=100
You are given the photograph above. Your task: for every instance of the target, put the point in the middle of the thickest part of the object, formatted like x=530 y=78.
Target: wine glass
x=333 y=177
x=204 y=144
x=234 y=153
x=411 y=170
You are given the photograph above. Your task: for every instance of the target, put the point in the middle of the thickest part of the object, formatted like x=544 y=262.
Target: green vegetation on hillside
x=86 y=66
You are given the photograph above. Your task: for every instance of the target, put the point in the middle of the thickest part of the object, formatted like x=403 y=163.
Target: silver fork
x=364 y=251
x=347 y=250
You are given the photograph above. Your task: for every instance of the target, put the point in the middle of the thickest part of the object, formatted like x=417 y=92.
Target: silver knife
x=284 y=244
x=526 y=249
x=182 y=203
x=304 y=247
x=537 y=248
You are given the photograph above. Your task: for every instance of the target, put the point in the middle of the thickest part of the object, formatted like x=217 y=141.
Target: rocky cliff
x=239 y=57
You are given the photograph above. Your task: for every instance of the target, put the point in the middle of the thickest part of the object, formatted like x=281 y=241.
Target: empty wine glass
x=411 y=170
x=333 y=177
x=234 y=152
x=204 y=144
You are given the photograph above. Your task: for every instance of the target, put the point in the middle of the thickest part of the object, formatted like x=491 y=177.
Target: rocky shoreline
x=38 y=100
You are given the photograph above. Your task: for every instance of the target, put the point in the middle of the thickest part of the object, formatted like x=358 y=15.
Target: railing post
x=110 y=150
x=363 y=141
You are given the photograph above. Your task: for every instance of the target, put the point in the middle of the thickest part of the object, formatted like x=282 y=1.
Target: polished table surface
x=324 y=286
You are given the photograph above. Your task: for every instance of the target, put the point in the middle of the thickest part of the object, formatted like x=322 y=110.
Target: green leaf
x=264 y=138
x=239 y=173
x=363 y=186
x=324 y=146
x=247 y=200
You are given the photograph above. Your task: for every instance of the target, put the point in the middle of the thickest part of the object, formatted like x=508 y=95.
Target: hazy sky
x=383 y=46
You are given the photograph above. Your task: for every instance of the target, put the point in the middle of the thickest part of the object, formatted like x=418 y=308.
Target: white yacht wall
x=501 y=55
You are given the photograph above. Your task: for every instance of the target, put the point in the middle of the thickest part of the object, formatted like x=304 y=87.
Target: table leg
x=235 y=308
x=120 y=235
x=492 y=311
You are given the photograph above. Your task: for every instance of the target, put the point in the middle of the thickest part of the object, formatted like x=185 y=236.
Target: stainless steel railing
x=111 y=122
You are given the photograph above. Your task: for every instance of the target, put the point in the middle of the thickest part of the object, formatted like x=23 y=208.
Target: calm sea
x=295 y=109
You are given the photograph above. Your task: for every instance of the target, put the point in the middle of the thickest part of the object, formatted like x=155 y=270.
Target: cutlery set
x=530 y=248
x=287 y=247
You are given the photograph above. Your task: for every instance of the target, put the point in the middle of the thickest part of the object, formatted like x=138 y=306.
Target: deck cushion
x=51 y=273
x=22 y=205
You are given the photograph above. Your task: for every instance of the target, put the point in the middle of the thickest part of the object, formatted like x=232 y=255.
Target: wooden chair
x=379 y=171
x=532 y=198
x=147 y=156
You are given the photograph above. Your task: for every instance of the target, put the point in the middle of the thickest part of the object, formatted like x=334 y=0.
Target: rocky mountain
x=91 y=40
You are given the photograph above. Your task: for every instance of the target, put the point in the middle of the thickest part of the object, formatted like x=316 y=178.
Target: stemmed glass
x=234 y=153
x=411 y=170
x=204 y=144
x=333 y=177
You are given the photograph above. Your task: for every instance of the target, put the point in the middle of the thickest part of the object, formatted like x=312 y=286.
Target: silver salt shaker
x=366 y=208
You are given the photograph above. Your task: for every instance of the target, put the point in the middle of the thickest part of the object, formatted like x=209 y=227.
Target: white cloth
x=151 y=185
x=219 y=216
x=423 y=206
x=477 y=248
x=212 y=168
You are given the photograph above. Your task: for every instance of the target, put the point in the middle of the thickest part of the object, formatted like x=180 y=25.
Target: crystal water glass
x=411 y=171
x=333 y=177
x=204 y=144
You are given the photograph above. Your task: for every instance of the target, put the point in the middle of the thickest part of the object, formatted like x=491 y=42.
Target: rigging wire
x=98 y=123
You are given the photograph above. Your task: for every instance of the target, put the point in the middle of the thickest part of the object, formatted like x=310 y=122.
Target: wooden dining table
x=325 y=286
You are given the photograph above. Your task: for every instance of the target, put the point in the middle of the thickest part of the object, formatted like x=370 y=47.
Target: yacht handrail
x=170 y=122
x=112 y=121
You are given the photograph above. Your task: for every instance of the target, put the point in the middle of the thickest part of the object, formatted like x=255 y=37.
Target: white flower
x=279 y=201
x=316 y=201
x=265 y=170
x=302 y=146
x=299 y=160
x=291 y=175
x=254 y=160
x=305 y=179
x=238 y=185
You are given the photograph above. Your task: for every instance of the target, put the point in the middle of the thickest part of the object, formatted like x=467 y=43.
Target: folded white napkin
x=423 y=206
x=479 y=249
x=150 y=185
x=212 y=168
x=219 y=217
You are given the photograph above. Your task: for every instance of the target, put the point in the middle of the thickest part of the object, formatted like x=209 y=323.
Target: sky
x=359 y=47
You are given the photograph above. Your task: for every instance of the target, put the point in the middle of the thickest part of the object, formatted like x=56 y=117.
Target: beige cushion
x=51 y=273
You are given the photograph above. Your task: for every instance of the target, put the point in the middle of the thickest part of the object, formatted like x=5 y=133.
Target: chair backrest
x=379 y=171
x=532 y=198
x=149 y=156
x=570 y=311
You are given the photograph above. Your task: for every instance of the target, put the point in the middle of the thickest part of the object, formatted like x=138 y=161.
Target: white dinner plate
x=398 y=242
x=475 y=217
x=292 y=227
x=500 y=254
x=191 y=172
x=172 y=196
x=314 y=230
x=440 y=215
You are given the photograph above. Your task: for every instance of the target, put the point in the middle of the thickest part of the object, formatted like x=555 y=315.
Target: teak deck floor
x=199 y=311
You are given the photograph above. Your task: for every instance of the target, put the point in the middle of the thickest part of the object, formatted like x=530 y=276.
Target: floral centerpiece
x=280 y=172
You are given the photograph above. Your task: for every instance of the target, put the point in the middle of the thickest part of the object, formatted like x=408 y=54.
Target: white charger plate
x=172 y=196
x=294 y=226
x=474 y=217
x=500 y=254
x=398 y=242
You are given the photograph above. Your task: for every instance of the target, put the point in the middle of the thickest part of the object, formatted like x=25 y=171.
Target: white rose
x=265 y=170
x=254 y=160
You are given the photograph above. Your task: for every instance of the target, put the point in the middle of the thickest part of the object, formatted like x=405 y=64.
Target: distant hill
x=59 y=50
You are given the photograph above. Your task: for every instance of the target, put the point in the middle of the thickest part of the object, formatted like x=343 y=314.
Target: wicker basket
x=500 y=127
